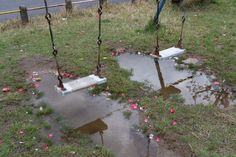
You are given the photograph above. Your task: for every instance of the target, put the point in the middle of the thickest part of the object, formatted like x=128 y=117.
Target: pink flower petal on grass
x=146 y=120
x=45 y=147
x=174 y=122
x=172 y=110
x=6 y=89
x=20 y=90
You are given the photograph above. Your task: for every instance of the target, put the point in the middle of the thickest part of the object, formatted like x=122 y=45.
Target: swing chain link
x=99 y=40
x=48 y=17
x=180 y=44
x=157 y=48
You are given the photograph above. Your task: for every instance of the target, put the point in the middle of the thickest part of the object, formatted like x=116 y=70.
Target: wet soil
x=93 y=114
x=162 y=75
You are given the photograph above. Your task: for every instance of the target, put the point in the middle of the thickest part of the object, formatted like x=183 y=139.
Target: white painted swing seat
x=170 y=52
x=81 y=83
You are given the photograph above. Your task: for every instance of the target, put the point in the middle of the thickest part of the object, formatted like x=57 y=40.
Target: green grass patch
x=209 y=32
x=44 y=110
x=205 y=130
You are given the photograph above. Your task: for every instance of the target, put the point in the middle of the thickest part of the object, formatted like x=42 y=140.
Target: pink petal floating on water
x=133 y=106
x=174 y=122
x=50 y=135
x=172 y=110
x=158 y=139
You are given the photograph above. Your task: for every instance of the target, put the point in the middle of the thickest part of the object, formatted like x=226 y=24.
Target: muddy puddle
x=162 y=75
x=101 y=118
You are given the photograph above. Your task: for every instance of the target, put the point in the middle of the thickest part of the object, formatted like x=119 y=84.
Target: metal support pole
x=24 y=15
x=69 y=6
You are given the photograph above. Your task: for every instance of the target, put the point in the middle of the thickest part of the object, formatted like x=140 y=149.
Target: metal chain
x=99 y=40
x=180 y=45
x=55 y=51
x=157 y=49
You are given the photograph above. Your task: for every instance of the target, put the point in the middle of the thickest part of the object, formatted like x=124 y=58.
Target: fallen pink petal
x=36 y=85
x=158 y=139
x=6 y=89
x=216 y=83
x=172 y=110
x=20 y=90
x=45 y=147
x=174 y=122
x=133 y=106
x=113 y=54
x=146 y=120
x=50 y=135
x=130 y=101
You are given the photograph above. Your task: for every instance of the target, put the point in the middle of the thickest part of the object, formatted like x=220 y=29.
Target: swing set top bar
x=43 y=7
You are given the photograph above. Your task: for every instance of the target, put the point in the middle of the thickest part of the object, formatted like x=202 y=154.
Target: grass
x=44 y=109
x=209 y=33
x=207 y=130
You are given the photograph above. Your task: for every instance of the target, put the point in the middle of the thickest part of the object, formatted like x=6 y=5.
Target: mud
x=195 y=88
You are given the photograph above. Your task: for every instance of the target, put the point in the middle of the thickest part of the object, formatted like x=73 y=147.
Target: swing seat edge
x=80 y=83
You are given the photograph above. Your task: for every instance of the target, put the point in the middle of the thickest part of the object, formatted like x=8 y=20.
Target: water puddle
x=195 y=88
x=101 y=118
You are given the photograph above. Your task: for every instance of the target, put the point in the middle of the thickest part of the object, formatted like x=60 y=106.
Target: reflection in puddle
x=165 y=91
x=163 y=76
x=97 y=126
x=92 y=127
x=103 y=119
